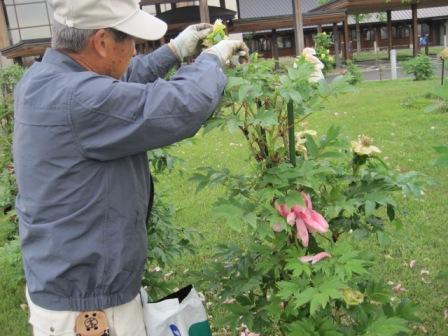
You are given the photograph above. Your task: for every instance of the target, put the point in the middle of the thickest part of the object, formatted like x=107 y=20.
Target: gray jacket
x=80 y=143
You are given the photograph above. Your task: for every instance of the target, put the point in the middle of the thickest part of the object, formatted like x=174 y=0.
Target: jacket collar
x=58 y=58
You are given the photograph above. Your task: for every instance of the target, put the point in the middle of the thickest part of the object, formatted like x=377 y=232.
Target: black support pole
x=291 y=135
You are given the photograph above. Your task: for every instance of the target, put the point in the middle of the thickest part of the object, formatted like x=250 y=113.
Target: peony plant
x=322 y=45
x=300 y=272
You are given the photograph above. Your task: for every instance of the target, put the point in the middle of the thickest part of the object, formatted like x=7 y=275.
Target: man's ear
x=100 y=42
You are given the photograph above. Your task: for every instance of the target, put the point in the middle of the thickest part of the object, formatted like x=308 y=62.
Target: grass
x=402 y=54
x=382 y=55
x=406 y=137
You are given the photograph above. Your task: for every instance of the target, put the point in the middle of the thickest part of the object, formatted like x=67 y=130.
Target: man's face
x=120 y=52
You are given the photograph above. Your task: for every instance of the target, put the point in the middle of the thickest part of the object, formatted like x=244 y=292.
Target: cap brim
x=144 y=26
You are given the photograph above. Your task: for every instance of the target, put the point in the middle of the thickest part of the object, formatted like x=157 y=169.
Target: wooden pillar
x=222 y=3
x=336 y=41
x=319 y=29
x=346 y=39
x=4 y=34
x=274 y=44
x=377 y=32
x=415 y=41
x=389 y=32
x=358 y=35
x=298 y=26
x=203 y=11
x=158 y=9
x=173 y=5
x=433 y=33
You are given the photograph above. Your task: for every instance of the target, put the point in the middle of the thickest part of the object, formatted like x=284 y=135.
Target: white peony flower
x=364 y=146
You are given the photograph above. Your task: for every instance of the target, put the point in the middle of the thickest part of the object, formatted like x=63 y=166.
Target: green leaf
x=311 y=146
x=378 y=292
x=443 y=275
x=243 y=92
x=295 y=96
x=383 y=239
x=407 y=310
x=233 y=215
x=292 y=198
x=390 y=212
x=235 y=81
x=384 y=326
x=298 y=268
x=233 y=125
x=369 y=207
x=266 y=118
x=287 y=289
x=304 y=297
x=318 y=300
x=302 y=328
x=251 y=219
x=217 y=38
x=378 y=197
x=331 y=155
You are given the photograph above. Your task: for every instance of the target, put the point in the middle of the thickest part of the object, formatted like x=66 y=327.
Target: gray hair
x=74 y=39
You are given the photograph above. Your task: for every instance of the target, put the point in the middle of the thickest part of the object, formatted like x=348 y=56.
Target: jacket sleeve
x=147 y=68
x=112 y=119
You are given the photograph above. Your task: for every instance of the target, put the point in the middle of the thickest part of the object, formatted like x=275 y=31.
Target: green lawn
x=402 y=54
x=407 y=138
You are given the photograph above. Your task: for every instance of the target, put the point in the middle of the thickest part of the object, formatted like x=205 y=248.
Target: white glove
x=225 y=49
x=187 y=43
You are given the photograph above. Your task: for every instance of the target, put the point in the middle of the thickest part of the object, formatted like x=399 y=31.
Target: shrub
x=322 y=44
x=8 y=190
x=420 y=67
x=300 y=271
x=353 y=73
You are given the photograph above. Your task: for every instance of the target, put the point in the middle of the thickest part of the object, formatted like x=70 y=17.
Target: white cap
x=123 y=15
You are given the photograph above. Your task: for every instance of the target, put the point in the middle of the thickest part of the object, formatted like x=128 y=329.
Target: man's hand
x=228 y=48
x=188 y=42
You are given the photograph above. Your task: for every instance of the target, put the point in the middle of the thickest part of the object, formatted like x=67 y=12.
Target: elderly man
x=84 y=118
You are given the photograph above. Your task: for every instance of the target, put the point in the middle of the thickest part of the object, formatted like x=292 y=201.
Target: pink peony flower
x=305 y=219
x=282 y=209
x=313 y=259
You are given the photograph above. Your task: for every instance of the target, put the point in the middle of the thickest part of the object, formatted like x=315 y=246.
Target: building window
x=384 y=33
x=425 y=29
x=402 y=32
x=284 y=42
x=264 y=44
x=28 y=19
x=366 y=34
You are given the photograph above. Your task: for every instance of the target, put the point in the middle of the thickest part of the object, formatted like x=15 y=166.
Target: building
x=25 y=25
x=432 y=21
